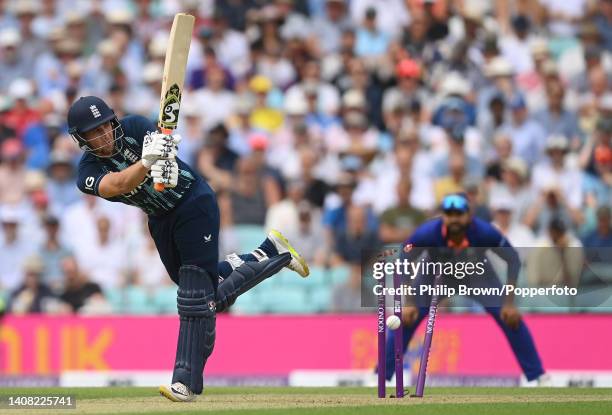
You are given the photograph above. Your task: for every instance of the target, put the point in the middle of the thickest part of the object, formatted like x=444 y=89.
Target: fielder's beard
x=456 y=229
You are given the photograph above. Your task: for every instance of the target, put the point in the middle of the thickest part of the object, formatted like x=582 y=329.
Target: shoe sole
x=163 y=391
x=293 y=252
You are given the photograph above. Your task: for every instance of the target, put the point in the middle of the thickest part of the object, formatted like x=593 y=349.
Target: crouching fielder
x=123 y=160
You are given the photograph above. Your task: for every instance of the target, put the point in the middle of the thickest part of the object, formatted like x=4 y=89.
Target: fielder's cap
x=20 y=88
x=456 y=202
x=87 y=113
x=9 y=37
x=408 y=68
x=260 y=84
x=557 y=142
x=499 y=66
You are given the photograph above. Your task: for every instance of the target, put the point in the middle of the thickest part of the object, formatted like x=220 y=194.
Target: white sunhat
x=20 y=88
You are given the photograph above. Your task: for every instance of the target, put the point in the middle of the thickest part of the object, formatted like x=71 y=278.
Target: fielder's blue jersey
x=479 y=234
x=92 y=169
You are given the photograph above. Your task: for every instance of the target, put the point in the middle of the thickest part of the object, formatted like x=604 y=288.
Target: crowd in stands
x=340 y=122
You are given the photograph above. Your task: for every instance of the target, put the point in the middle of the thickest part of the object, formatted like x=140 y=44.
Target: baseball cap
x=408 y=68
x=518 y=102
x=455 y=202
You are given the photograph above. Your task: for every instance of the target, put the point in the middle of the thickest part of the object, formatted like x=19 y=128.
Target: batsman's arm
x=118 y=183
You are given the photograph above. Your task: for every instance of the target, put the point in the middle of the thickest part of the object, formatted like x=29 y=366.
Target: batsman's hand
x=511 y=316
x=158 y=146
x=165 y=172
x=409 y=315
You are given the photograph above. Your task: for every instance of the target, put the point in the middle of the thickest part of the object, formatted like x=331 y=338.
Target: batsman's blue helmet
x=88 y=113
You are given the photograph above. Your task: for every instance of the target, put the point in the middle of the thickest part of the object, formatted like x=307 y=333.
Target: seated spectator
x=14 y=249
x=527 y=135
x=52 y=252
x=558 y=259
x=602 y=236
x=60 y=187
x=144 y=263
x=346 y=297
x=398 y=222
x=21 y=115
x=104 y=260
x=503 y=209
x=264 y=117
x=559 y=186
x=214 y=102
x=454 y=181
x=78 y=289
x=371 y=41
x=556 y=119
x=216 y=161
x=246 y=199
x=31 y=296
x=284 y=214
x=514 y=184
x=501 y=154
x=357 y=237
x=12 y=172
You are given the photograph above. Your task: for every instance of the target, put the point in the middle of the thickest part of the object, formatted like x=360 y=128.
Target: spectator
x=78 y=291
x=12 y=172
x=60 y=186
x=14 y=63
x=528 y=137
x=21 y=115
x=247 y=202
x=601 y=237
x=14 y=249
x=214 y=103
x=559 y=186
x=52 y=251
x=556 y=119
x=503 y=209
x=105 y=259
x=32 y=296
x=398 y=222
x=346 y=297
x=350 y=242
x=327 y=29
x=514 y=185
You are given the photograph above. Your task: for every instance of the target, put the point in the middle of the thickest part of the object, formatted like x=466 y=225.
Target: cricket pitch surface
x=343 y=401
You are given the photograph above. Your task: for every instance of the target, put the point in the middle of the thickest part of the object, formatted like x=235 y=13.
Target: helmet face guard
x=83 y=143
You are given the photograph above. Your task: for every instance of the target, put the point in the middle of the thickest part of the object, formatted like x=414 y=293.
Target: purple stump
x=381 y=342
x=398 y=340
x=429 y=328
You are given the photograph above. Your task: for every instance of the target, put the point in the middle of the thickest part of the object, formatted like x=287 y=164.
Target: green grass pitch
x=319 y=401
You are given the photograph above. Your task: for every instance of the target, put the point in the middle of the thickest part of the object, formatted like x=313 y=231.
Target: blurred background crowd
x=342 y=123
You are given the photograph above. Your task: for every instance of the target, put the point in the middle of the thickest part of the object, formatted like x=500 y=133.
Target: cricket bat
x=174 y=75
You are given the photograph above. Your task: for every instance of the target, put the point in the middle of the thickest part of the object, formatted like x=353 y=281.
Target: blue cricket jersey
x=92 y=169
x=479 y=234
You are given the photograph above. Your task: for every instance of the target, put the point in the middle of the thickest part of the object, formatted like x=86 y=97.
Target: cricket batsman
x=455 y=232
x=123 y=161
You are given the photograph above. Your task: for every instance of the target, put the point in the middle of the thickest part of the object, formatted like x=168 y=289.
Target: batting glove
x=165 y=172
x=158 y=146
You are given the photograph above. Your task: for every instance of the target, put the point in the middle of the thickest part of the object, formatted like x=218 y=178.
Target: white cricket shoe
x=177 y=392
x=545 y=381
x=297 y=264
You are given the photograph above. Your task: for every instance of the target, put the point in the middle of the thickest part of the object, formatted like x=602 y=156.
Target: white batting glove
x=157 y=146
x=165 y=172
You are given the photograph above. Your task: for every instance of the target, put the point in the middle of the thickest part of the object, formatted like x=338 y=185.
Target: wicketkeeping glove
x=165 y=172
x=159 y=146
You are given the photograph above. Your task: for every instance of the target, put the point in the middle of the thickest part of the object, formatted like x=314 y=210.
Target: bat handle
x=160 y=187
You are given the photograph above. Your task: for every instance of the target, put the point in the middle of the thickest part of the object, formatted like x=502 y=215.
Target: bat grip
x=160 y=187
